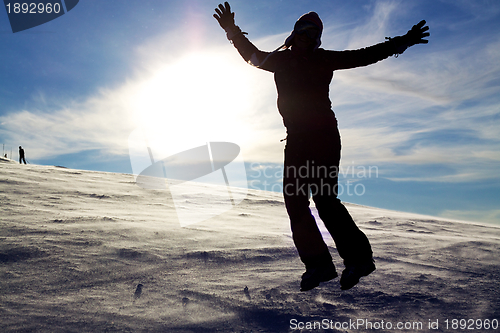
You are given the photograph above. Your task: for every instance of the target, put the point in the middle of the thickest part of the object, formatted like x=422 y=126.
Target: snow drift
x=74 y=246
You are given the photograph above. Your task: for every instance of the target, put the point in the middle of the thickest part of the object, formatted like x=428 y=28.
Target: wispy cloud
x=183 y=96
x=431 y=106
x=399 y=111
x=101 y=122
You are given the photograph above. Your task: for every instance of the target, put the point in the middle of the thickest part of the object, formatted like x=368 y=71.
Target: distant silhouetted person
x=21 y=155
x=303 y=72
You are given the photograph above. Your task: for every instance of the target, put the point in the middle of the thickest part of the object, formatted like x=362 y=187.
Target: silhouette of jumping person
x=302 y=73
x=21 y=155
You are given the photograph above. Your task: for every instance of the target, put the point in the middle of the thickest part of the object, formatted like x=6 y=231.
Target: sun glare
x=200 y=98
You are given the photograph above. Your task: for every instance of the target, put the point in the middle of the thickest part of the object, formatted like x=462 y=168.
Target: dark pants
x=311 y=166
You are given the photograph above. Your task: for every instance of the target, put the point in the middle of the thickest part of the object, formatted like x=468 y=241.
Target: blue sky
x=74 y=89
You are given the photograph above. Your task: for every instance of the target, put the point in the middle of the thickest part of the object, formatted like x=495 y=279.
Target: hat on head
x=309 y=20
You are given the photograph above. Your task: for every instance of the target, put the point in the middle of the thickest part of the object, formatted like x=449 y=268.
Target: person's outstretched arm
x=246 y=49
x=393 y=46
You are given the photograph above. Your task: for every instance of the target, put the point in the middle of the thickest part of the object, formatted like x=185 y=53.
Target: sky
x=419 y=132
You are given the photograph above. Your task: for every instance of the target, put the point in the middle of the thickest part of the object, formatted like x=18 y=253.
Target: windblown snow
x=75 y=246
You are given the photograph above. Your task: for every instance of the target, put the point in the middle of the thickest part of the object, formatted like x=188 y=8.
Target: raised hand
x=224 y=16
x=414 y=36
x=417 y=34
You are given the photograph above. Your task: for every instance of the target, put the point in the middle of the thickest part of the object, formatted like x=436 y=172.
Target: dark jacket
x=303 y=79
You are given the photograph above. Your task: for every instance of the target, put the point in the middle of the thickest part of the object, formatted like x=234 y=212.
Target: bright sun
x=202 y=97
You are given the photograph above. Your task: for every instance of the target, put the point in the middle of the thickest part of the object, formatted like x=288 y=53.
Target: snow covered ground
x=74 y=245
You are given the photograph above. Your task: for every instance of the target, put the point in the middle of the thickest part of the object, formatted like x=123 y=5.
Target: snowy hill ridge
x=75 y=246
x=6 y=160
